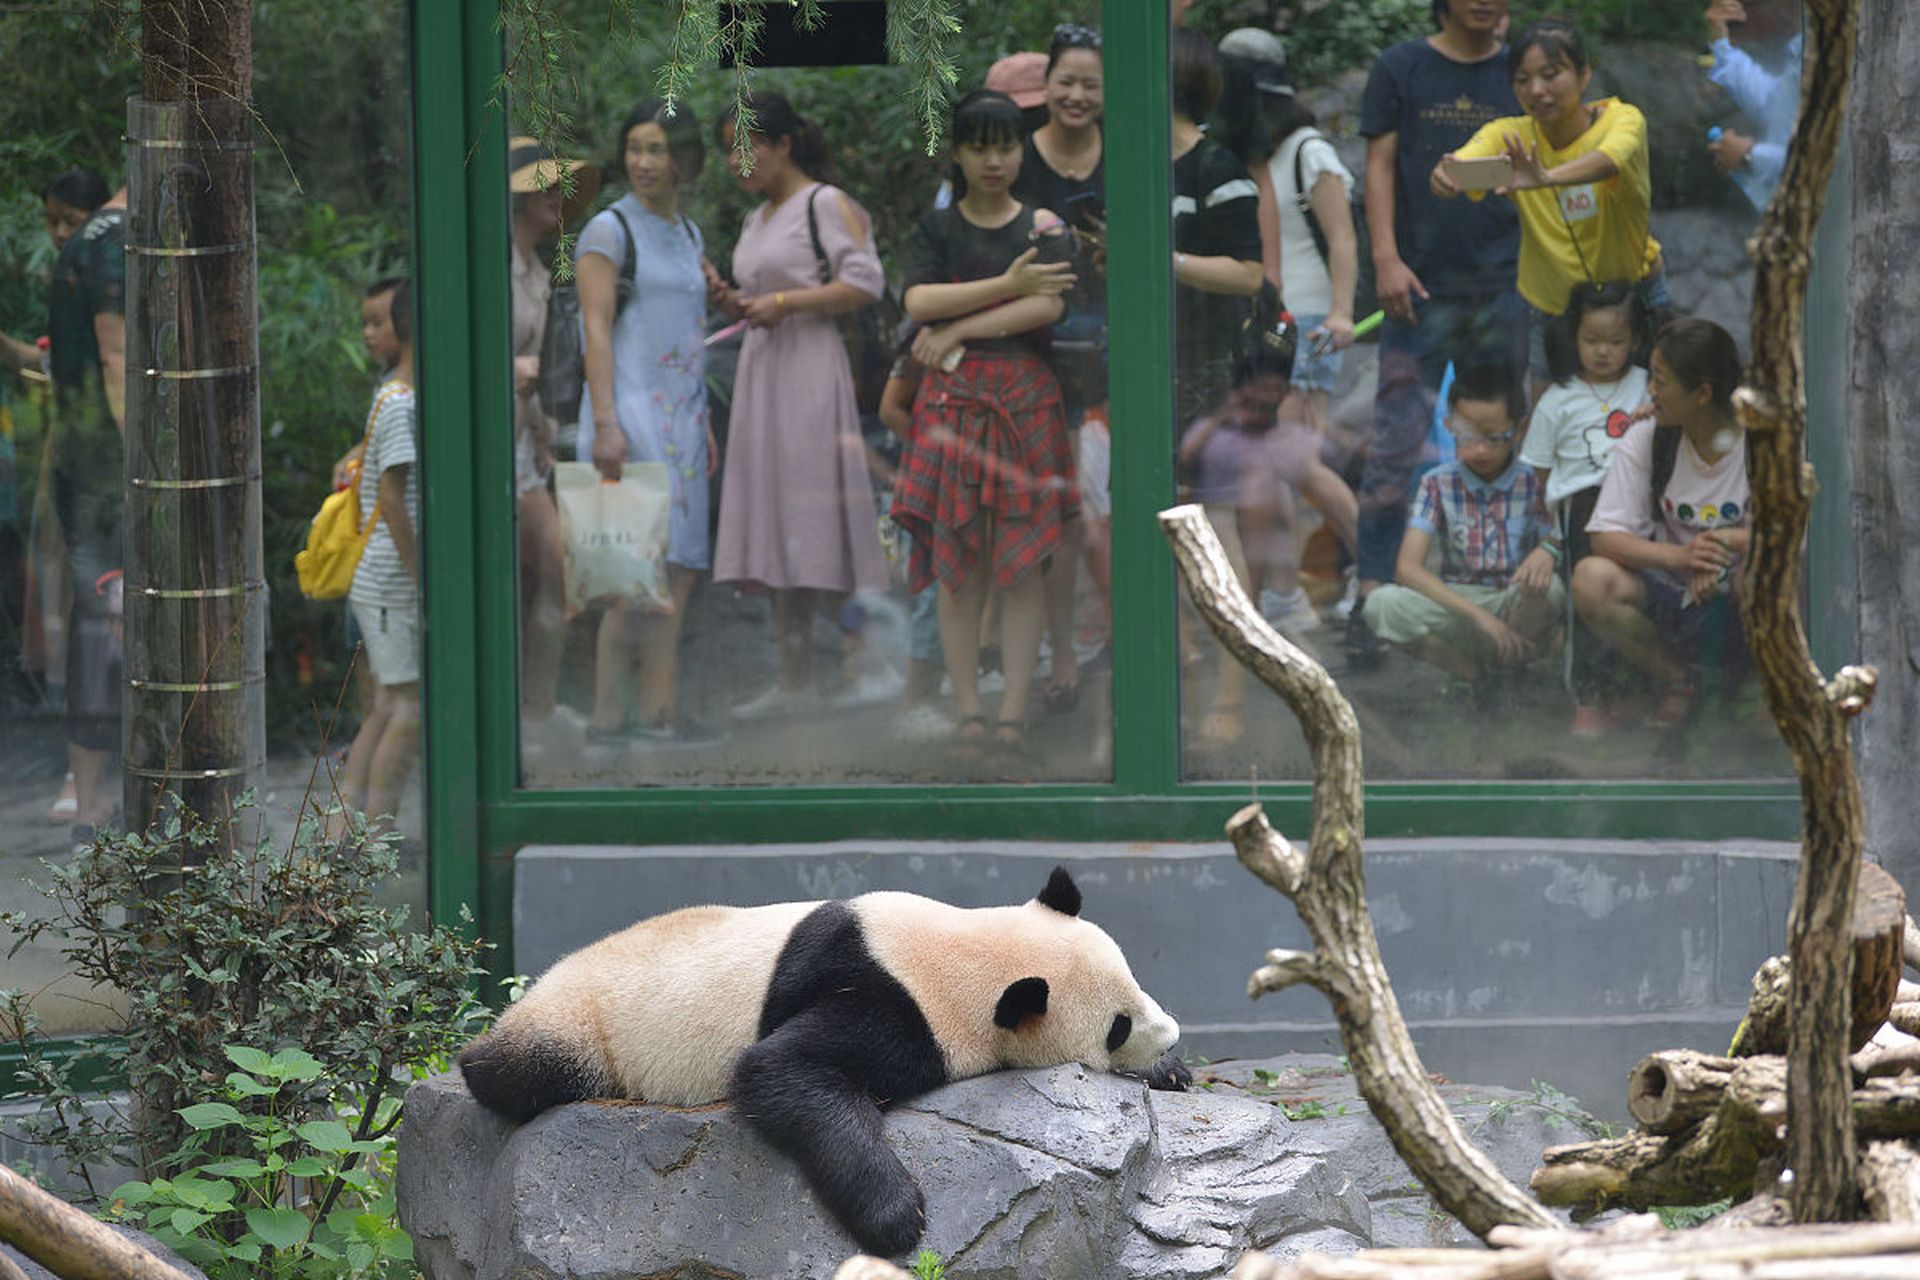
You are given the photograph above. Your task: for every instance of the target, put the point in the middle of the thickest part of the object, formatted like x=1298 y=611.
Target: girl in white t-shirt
x=1671 y=526
x=1579 y=418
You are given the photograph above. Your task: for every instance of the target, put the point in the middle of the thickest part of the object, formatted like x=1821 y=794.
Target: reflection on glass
x=1534 y=566
x=862 y=415
x=332 y=211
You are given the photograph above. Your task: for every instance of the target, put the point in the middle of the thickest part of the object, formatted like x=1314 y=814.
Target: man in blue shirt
x=1768 y=95
x=1445 y=269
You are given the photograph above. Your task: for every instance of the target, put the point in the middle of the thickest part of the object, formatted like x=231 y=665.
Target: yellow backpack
x=337 y=536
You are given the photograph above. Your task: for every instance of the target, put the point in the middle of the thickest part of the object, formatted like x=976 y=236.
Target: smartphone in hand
x=1479 y=173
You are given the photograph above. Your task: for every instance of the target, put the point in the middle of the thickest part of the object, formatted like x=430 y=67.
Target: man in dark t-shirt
x=86 y=325
x=1445 y=268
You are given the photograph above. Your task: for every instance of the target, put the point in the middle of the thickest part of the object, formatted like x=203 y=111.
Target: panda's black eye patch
x=1117 y=1034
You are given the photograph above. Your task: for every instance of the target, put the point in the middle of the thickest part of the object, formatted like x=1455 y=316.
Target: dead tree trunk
x=1812 y=714
x=1327 y=887
x=195 y=589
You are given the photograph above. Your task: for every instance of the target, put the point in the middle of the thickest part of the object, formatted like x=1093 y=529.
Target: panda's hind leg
x=519 y=1076
x=815 y=1111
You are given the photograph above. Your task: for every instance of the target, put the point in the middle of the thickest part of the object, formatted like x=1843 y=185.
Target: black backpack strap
x=820 y=261
x=1666 y=451
x=624 y=290
x=1304 y=201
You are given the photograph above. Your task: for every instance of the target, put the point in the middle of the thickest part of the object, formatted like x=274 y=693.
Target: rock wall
x=1060 y=1173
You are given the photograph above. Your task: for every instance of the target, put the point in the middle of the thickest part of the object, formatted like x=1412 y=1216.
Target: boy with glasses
x=1497 y=597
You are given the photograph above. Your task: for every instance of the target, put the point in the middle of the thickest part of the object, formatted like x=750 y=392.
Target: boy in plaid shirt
x=1498 y=595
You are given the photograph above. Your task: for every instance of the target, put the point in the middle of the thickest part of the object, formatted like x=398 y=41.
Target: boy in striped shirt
x=1497 y=597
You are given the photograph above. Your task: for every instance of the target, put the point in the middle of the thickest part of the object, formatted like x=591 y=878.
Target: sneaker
x=682 y=731
x=777 y=702
x=1364 y=650
x=925 y=723
x=873 y=686
x=1291 y=613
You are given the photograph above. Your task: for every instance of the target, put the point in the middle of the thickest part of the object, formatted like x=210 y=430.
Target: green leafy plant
x=234 y=942
x=928 y=1266
x=299 y=1198
x=1681 y=1217
x=1556 y=1104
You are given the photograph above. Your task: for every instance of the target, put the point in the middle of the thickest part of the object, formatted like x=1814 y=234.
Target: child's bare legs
x=960 y=612
x=382 y=756
x=542 y=613
x=1612 y=600
x=660 y=651
x=613 y=659
x=1100 y=564
x=1023 y=615
x=1062 y=579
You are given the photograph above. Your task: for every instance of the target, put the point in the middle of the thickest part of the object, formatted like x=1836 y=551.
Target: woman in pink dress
x=796 y=510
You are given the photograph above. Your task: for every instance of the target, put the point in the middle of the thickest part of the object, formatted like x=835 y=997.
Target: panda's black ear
x=1061 y=893
x=1024 y=999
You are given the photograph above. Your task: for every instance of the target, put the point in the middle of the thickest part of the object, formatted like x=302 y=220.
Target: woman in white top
x=1671 y=527
x=1307 y=237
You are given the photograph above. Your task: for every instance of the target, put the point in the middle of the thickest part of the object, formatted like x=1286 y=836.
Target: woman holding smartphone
x=1579 y=180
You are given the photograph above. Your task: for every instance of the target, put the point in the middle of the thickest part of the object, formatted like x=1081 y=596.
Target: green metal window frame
x=477 y=814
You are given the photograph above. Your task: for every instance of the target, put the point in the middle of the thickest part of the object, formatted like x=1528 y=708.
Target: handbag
x=337 y=537
x=614 y=535
x=563 y=351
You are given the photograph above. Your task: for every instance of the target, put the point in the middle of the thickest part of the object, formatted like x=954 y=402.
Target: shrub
x=235 y=943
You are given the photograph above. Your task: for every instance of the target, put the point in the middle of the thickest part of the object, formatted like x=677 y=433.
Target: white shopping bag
x=615 y=534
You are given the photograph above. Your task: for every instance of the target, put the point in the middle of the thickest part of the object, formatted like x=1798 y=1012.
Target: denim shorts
x=1311 y=372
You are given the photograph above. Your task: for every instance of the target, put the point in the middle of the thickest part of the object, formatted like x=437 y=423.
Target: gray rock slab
x=1064 y=1172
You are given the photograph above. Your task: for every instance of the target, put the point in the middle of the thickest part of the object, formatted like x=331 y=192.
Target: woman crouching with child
x=985 y=483
x=1670 y=528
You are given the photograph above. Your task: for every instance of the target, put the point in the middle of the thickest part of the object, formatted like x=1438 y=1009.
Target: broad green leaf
x=308 y=1167
x=247 y=1087
x=185 y=1220
x=357 y=1178
x=234 y=1168
x=211 y=1115
x=248 y=1058
x=397 y=1244
x=246 y=1251
x=281 y=1228
x=131 y=1193
x=295 y=1064
x=325 y=1135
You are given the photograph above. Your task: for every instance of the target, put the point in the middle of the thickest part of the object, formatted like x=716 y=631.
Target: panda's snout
x=1153 y=1033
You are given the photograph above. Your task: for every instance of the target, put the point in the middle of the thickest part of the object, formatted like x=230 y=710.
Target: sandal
x=1062 y=698
x=1010 y=734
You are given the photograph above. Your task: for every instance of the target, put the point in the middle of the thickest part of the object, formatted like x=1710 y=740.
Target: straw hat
x=1022 y=77
x=532 y=167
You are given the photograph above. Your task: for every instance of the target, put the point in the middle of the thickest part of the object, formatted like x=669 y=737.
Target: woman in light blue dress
x=646 y=396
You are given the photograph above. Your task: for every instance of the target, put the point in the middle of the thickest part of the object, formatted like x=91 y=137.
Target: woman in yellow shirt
x=1580 y=180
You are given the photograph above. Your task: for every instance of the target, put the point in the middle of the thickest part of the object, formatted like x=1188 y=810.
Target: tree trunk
x=195 y=587
x=1812 y=714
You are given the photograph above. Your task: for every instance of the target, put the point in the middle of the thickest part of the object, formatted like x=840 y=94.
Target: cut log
x=1631 y=1250
x=1717 y=1157
x=68 y=1242
x=1676 y=1089
x=1879 y=935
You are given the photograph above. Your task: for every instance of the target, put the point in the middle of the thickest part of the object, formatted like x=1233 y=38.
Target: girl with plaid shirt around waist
x=986 y=478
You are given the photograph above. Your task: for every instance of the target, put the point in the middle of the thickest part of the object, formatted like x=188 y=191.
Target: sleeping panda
x=811 y=1014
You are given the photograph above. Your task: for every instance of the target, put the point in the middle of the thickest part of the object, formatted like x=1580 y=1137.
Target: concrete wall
x=1513 y=960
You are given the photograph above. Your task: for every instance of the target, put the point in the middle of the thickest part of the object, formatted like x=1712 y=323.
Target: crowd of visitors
x=1594 y=507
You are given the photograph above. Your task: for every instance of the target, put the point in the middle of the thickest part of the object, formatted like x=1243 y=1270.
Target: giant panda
x=810 y=1014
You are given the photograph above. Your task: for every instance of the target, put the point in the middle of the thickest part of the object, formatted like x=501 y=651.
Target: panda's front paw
x=1169 y=1074
x=892 y=1220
